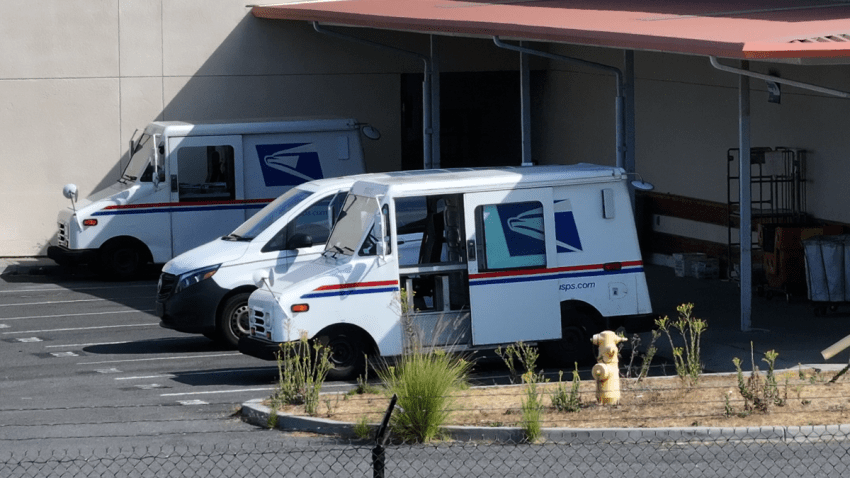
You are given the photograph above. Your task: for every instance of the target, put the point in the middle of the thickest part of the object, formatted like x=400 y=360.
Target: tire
x=232 y=322
x=573 y=347
x=122 y=260
x=347 y=356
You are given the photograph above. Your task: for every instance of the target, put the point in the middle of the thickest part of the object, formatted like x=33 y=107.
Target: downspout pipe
x=806 y=86
x=426 y=86
x=620 y=126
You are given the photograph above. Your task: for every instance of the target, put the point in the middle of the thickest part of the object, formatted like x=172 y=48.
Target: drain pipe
x=426 y=87
x=806 y=86
x=618 y=75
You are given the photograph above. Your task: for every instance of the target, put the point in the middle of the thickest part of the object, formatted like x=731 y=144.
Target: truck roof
x=347 y=181
x=251 y=126
x=469 y=180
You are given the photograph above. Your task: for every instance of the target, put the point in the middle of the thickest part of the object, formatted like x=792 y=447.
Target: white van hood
x=303 y=273
x=217 y=251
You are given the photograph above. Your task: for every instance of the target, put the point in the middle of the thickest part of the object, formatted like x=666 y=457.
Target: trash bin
x=828 y=268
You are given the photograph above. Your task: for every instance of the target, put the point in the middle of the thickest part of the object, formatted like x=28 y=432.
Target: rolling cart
x=778 y=198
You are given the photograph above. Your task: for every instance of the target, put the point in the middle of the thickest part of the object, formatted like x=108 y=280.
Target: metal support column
x=525 y=106
x=745 y=227
x=434 y=96
x=629 y=115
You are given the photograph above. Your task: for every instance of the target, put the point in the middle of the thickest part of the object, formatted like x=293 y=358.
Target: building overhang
x=798 y=31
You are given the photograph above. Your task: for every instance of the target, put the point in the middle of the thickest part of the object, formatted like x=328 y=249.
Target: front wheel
x=573 y=347
x=122 y=260
x=233 y=321
x=347 y=356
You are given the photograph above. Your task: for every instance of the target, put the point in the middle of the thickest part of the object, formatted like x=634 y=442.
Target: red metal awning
x=745 y=29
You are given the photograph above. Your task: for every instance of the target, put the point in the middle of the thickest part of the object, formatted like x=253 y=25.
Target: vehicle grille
x=63 y=235
x=258 y=322
x=165 y=286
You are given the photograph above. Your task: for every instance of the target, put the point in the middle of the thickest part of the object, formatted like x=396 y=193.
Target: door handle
x=470 y=250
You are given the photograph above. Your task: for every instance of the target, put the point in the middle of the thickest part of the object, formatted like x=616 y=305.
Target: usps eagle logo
x=530 y=224
x=289 y=164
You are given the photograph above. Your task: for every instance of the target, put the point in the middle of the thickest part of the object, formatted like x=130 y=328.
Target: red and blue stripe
x=558 y=273
x=356 y=288
x=155 y=208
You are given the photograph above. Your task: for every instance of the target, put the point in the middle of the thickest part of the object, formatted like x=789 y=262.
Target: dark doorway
x=480 y=119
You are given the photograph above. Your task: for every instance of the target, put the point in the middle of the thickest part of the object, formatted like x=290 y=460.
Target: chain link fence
x=821 y=451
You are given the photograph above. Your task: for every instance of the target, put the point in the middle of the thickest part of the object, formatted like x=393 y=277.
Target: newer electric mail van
x=543 y=254
x=187 y=183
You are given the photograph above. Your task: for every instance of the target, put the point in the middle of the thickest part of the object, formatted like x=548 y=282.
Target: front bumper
x=64 y=256
x=192 y=310
x=259 y=348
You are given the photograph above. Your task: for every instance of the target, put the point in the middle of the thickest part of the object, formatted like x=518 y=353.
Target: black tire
x=573 y=347
x=232 y=322
x=347 y=355
x=122 y=260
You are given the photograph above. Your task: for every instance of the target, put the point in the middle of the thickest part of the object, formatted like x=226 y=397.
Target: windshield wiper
x=235 y=237
x=336 y=250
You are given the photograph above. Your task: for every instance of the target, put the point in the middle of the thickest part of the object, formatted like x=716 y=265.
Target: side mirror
x=70 y=191
x=298 y=241
x=261 y=278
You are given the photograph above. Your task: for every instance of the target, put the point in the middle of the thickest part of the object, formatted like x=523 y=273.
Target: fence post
x=378 y=455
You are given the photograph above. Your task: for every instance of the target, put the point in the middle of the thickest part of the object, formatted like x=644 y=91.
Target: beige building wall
x=78 y=77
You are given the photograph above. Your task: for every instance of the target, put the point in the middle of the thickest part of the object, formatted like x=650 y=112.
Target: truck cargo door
x=510 y=240
x=207 y=200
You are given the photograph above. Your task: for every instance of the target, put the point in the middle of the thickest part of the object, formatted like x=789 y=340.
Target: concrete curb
x=255 y=413
x=27 y=266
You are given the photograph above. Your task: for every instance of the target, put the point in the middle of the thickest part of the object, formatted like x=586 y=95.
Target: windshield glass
x=354 y=219
x=141 y=161
x=258 y=223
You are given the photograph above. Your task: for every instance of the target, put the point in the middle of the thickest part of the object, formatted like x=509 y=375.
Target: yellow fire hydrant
x=606 y=371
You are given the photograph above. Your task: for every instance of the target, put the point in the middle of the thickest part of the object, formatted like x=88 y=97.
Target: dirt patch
x=805 y=398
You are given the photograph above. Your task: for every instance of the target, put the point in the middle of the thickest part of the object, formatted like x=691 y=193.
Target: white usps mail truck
x=205 y=290
x=542 y=254
x=187 y=183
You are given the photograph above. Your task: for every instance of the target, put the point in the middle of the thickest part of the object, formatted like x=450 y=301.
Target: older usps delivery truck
x=187 y=183
x=542 y=254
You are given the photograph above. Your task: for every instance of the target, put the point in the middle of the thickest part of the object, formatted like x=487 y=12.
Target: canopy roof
x=745 y=29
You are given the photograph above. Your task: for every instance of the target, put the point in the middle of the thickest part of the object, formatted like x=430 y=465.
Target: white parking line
x=92 y=344
x=54 y=289
x=85 y=345
x=53 y=302
x=213 y=392
x=147 y=377
x=78 y=328
x=180 y=357
x=78 y=315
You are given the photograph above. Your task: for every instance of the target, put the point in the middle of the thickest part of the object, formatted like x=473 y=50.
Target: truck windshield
x=258 y=223
x=141 y=161
x=354 y=220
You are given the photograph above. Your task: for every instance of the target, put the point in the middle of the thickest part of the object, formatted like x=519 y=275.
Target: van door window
x=313 y=223
x=512 y=235
x=206 y=173
x=376 y=235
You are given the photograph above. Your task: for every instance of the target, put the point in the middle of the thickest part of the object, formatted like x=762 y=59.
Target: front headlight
x=191 y=278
